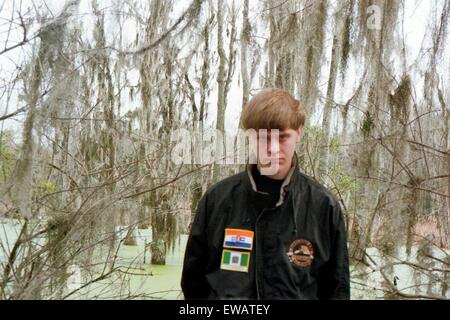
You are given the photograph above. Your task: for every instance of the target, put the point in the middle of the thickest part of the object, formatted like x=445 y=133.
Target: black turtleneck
x=268 y=185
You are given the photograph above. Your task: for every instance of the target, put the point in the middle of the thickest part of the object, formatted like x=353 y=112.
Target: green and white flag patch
x=235 y=261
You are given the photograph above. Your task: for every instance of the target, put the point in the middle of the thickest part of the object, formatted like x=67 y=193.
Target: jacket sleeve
x=334 y=278
x=193 y=278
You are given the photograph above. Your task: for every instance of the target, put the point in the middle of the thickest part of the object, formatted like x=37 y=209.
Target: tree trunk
x=323 y=167
x=245 y=34
x=220 y=119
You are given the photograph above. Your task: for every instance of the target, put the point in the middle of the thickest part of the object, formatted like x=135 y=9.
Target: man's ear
x=300 y=134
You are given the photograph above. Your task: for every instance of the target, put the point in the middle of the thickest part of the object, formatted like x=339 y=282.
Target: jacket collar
x=290 y=179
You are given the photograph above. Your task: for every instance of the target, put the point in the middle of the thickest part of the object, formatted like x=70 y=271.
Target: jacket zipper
x=256 y=254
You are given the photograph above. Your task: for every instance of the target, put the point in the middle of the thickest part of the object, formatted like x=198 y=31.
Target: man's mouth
x=272 y=160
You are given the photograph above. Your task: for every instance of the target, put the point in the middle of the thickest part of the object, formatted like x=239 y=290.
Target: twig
x=195 y=5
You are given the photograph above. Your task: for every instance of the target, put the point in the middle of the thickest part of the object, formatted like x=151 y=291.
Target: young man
x=276 y=236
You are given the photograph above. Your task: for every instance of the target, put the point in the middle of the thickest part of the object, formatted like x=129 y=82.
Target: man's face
x=275 y=151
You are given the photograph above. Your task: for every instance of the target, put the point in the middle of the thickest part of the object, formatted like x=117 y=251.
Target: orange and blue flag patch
x=238 y=239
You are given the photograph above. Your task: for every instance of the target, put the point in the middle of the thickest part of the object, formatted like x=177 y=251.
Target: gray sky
x=414 y=28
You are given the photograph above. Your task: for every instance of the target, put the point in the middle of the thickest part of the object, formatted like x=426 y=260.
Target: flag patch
x=238 y=239
x=235 y=261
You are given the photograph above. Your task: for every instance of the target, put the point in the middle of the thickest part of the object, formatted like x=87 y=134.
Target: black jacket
x=299 y=248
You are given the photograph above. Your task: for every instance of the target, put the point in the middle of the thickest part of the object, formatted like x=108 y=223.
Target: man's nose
x=273 y=145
